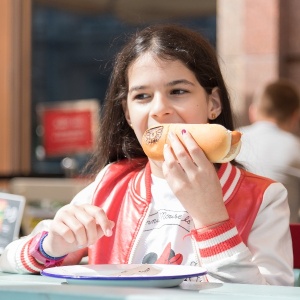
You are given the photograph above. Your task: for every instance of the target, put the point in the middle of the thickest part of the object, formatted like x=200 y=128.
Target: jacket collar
x=229 y=176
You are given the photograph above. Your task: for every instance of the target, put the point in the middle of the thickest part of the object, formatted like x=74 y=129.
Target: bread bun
x=219 y=144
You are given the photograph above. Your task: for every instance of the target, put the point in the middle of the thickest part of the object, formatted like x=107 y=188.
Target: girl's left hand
x=194 y=181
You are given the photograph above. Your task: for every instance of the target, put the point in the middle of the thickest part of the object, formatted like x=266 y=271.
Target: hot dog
x=219 y=144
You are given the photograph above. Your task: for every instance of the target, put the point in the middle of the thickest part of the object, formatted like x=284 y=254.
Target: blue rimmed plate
x=146 y=275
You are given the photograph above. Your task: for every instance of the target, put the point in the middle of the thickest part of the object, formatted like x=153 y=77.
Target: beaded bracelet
x=211 y=225
x=204 y=228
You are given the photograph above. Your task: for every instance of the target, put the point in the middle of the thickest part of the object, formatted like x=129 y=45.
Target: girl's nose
x=161 y=106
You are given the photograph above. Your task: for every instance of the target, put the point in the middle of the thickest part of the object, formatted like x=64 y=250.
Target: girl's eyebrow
x=180 y=81
x=172 y=83
x=137 y=88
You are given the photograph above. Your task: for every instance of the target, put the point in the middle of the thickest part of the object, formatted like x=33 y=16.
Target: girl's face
x=162 y=91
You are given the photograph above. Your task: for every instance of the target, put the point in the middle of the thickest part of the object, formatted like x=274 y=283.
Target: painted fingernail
x=183 y=131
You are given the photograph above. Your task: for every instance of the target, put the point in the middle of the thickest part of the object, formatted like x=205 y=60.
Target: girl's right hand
x=75 y=227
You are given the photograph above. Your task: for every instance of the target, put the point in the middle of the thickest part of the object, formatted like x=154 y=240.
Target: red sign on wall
x=67 y=131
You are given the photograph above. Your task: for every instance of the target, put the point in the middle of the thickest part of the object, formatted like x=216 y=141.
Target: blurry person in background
x=270 y=146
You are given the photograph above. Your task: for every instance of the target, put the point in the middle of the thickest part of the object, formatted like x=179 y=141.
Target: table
x=33 y=287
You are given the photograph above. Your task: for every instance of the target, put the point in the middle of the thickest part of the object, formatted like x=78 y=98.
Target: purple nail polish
x=183 y=131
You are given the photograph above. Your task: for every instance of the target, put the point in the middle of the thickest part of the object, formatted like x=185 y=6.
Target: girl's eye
x=141 y=96
x=178 y=92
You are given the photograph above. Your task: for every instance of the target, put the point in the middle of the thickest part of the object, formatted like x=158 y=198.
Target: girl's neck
x=156 y=168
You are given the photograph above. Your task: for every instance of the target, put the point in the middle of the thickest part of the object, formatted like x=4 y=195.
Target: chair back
x=295 y=232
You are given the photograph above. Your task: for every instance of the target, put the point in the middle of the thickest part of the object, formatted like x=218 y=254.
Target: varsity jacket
x=245 y=249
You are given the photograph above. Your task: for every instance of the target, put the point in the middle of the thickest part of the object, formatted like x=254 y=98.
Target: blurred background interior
x=55 y=58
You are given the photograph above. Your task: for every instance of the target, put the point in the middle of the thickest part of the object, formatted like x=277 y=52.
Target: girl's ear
x=126 y=112
x=214 y=105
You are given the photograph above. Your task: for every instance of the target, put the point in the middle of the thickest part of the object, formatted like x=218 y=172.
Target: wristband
x=37 y=251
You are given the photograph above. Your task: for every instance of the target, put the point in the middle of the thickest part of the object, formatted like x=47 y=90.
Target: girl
x=184 y=210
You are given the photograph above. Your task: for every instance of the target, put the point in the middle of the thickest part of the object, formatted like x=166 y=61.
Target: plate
x=146 y=275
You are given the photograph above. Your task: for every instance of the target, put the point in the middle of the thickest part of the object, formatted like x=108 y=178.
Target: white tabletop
x=21 y=287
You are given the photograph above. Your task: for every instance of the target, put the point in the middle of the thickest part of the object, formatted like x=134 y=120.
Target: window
x=74 y=42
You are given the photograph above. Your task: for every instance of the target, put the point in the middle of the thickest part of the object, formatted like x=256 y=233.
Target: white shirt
x=165 y=230
x=272 y=152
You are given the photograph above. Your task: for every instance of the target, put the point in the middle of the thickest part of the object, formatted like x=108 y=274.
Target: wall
x=257 y=42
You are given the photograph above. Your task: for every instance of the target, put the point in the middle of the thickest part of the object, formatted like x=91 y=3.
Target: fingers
x=188 y=153
x=197 y=155
x=177 y=157
x=101 y=219
x=82 y=224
